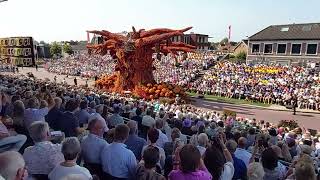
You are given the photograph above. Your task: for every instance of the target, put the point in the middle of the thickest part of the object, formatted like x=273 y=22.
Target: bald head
x=132 y=126
x=242 y=142
x=11 y=165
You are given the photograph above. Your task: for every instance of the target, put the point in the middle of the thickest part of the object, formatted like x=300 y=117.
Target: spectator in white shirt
x=71 y=150
x=241 y=152
x=202 y=143
x=43 y=156
x=12 y=166
x=147 y=120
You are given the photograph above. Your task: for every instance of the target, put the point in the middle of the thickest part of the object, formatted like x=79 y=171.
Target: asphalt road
x=307 y=120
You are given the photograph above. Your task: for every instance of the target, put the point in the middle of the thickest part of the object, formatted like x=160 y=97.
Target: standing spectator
x=162 y=137
x=123 y=160
x=115 y=119
x=83 y=114
x=69 y=124
x=269 y=161
x=192 y=166
x=43 y=156
x=93 y=144
x=147 y=120
x=18 y=116
x=240 y=169
x=35 y=113
x=12 y=166
x=8 y=141
x=153 y=136
x=168 y=146
x=55 y=114
x=255 y=171
x=138 y=117
x=75 y=81
x=147 y=167
x=203 y=141
x=218 y=160
x=134 y=142
x=70 y=150
x=241 y=152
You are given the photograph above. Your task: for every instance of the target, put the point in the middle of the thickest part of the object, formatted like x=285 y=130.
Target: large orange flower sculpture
x=134 y=54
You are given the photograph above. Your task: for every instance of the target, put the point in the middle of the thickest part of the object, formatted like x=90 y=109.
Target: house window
x=255 y=48
x=268 y=48
x=282 y=48
x=296 y=49
x=312 y=48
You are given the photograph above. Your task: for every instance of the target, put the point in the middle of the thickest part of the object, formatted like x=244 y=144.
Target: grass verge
x=230 y=101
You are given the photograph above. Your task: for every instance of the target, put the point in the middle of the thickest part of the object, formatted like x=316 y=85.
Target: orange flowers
x=156 y=91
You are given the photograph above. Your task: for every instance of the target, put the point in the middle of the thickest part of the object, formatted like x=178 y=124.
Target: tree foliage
x=67 y=48
x=224 y=41
x=55 y=49
x=241 y=55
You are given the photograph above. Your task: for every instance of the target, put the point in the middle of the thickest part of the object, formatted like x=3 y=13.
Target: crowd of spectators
x=261 y=83
x=83 y=65
x=180 y=72
x=54 y=131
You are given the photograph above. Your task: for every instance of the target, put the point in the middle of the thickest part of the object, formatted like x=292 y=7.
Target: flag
x=229 y=35
x=88 y=37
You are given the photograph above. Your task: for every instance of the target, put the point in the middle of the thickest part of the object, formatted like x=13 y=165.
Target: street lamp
x=248 y=49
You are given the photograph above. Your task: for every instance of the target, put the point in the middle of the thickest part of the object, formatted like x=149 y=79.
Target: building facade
x=241 y=47
x=285 y=44
x=200 y=41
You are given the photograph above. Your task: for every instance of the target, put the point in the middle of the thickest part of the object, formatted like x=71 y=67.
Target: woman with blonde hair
x=255 y=171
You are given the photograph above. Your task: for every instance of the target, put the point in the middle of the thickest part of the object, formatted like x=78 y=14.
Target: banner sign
x=17 y=50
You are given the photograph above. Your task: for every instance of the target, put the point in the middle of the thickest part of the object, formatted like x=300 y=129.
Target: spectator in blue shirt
x=83 y=115
x=115 y=119
x=134 y=142
x=35 y=113
x=240 y=168
x=93 y=143
x=117 y=160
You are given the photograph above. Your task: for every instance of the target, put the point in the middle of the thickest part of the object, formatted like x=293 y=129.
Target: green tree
x=224 y=41
x=55 y=49
x=241 y=55
x=67 y=48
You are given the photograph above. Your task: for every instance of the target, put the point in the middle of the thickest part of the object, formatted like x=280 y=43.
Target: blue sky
x=56 y=20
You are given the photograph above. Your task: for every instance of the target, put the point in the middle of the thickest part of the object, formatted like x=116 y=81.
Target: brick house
x=241 y=47
x=285 y=44
x=200 y=41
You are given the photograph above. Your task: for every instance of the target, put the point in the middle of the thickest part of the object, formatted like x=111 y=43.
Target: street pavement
x=308 y=120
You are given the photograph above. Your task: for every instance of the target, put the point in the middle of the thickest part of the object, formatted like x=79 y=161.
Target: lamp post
x=248 y=49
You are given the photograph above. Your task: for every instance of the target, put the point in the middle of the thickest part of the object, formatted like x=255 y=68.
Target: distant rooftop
x=309 y=31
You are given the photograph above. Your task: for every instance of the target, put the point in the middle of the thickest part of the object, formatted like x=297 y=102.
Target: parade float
x=134 y=52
